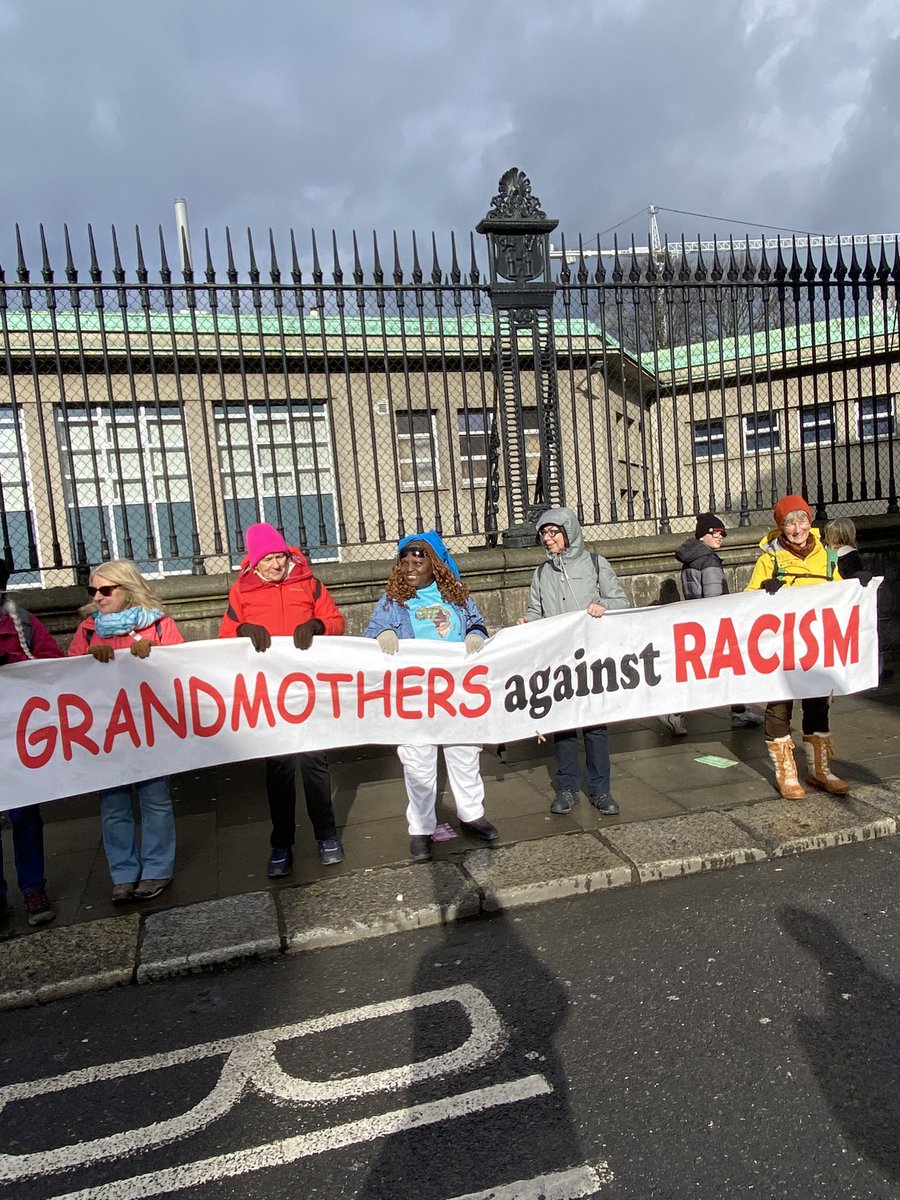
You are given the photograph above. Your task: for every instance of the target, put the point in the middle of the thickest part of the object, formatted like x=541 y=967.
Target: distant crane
x=656 y=247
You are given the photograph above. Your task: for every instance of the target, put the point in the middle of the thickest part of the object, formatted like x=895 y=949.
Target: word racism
x=79 y=725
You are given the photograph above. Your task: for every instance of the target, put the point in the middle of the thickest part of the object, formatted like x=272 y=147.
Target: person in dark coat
x=702 y=576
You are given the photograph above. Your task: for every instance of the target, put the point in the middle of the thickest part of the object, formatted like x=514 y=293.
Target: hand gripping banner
x=75 y=725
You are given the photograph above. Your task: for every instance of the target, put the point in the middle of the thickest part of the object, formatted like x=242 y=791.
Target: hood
x=300 y=570
x=566 y=519
x=692 y=550
x=436 y=542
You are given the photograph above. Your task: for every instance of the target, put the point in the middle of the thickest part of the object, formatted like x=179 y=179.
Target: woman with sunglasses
x=425 y=598
x=124 y=614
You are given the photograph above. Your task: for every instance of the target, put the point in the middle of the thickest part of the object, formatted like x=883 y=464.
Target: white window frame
x=750 y=435
x=417 y=459
x=702 y=440
x=810 y=421
x=13 y=481
x=474 y=466
x=877 y=417
x=111 y=487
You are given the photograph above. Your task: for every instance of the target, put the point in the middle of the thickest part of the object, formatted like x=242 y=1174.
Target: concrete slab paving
x=212 y=933
x=819 y=821
x=545 y=869
x=880 y=796
x=684 y=845
x=68 y=961
x=372 y=903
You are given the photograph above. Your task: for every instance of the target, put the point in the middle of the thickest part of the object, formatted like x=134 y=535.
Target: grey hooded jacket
x=570 y=581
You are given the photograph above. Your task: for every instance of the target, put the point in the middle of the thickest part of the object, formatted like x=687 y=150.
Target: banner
x=77 y=725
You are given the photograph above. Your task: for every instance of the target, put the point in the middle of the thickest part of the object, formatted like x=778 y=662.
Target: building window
x=275 y=466
x=708 y=439
x=817 y=425
x=531 y=436
x=761 y=432
x=876 y=418
x=415 y=450
x=125 y=480
x=17 y=530
x=474 y=435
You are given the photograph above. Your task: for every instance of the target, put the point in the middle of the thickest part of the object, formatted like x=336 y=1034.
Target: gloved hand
x=258 y=635
x=388 y=641
x=772 y=585
x=306 y=631
x=474 y=642
x=140 y=648
x=864 y=577
x=101 y=653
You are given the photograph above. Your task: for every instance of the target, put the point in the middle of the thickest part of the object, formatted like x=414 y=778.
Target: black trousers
x=282 y=794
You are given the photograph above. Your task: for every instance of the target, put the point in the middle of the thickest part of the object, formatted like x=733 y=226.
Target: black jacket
x=701 y=571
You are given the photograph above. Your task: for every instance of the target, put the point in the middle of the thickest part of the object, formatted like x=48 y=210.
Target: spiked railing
x=155 y=418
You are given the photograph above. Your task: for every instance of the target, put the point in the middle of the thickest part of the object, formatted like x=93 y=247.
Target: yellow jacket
x=818 y=567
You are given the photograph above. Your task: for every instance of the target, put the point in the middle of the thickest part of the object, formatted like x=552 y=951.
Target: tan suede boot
x=781 y=752
x=818 y=749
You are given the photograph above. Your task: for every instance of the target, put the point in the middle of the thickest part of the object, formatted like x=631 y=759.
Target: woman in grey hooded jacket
x=574 y=580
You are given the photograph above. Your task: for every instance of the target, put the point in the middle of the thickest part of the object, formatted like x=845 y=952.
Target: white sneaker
x=674 y=723
x=744 y=720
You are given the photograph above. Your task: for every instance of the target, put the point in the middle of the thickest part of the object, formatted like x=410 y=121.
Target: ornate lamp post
x=524 y=352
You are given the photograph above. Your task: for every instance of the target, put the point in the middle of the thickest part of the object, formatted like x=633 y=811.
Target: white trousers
x=420 y=775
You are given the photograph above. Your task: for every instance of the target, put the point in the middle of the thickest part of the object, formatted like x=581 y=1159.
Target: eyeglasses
x=551 y=531
x=718 y=532
x=106 y=590
x=413 y=552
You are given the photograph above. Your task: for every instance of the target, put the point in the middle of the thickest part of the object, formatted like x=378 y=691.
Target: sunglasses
x=720 y=532
x=551 y=531
x=106 y=590
x=413 y=552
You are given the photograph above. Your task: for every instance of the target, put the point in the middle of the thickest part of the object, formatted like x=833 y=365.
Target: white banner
x=76 y=725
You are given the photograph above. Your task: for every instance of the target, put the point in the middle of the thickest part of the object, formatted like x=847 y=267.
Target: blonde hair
x=840 y=532
x=123 y=572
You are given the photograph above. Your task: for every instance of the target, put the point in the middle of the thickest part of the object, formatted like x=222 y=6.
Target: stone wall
x=499 y=581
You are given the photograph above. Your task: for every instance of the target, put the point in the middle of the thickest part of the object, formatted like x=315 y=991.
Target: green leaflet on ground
x=716 y=760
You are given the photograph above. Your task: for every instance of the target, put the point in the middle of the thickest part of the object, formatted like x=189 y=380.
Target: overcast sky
x=402 y=114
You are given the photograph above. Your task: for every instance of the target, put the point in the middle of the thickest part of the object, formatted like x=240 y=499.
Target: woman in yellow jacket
x=794 y=556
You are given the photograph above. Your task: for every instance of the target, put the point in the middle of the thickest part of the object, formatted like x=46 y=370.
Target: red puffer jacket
x=280 y=607
x=163 y=632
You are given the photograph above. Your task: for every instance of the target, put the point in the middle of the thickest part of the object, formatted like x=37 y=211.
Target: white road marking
x=562 y=1185
x=290 y=1150
x=251 y=1065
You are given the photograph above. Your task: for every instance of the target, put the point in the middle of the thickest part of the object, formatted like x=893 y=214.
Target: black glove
x=863 y=577
x=772 y=585
x=258 y=635
x=306 y=631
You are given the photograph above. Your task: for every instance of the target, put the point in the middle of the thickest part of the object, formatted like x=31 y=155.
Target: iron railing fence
x=155 y=419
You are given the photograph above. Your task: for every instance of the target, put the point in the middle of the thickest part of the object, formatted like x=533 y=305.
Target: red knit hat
x=789 y=504
x=261 y=540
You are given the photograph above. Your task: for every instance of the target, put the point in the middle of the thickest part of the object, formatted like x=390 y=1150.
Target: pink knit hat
x=261 y=540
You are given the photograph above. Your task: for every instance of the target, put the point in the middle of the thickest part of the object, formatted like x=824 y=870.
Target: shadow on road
x=854 y=1047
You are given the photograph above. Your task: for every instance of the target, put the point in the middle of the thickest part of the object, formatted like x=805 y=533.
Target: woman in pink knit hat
x=793 y=555
x=276 y=594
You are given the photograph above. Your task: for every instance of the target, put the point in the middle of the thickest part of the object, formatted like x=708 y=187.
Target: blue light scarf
x=129 y=620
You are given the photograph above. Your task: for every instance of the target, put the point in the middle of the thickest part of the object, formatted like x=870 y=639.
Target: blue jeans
x=596 y=751
x=28 y=848
x=156 y=859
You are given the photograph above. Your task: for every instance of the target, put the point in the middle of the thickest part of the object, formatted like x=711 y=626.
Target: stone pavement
x=678 y=816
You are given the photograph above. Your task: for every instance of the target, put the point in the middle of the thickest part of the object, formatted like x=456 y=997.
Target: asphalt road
x=727 y=1035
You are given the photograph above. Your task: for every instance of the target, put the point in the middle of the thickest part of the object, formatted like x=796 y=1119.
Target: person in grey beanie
x=574 y=580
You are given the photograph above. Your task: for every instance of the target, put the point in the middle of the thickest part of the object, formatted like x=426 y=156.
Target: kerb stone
x=819 y=821
x=684 y=845
x=208 y=934
x=68 y=961
x=371 y=903
x=545 y=869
